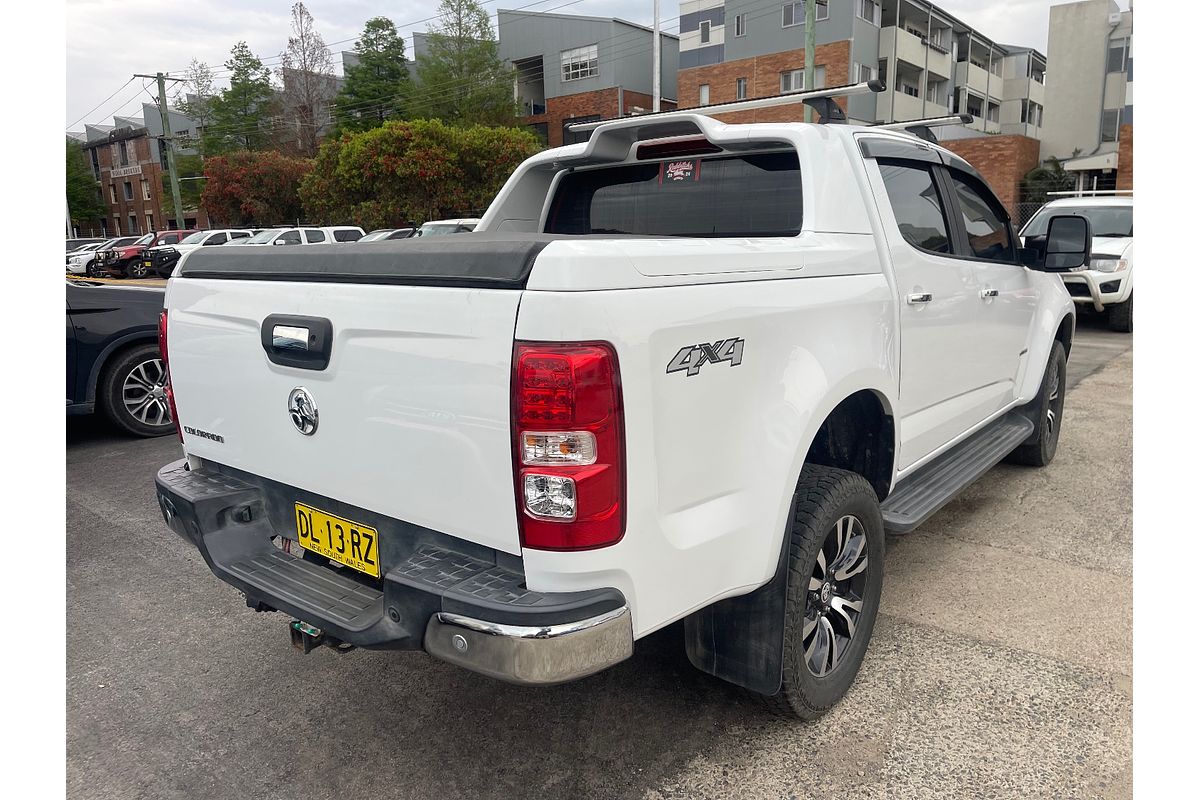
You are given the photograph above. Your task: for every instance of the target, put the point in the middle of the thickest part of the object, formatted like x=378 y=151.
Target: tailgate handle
x=295 y=341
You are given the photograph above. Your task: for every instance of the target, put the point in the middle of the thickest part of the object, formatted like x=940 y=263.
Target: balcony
x=976 y=78
x=914 y=50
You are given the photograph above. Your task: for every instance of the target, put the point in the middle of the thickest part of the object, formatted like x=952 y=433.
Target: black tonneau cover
x=485 y=260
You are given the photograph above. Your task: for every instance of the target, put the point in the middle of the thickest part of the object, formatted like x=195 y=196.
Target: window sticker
x=679 y=171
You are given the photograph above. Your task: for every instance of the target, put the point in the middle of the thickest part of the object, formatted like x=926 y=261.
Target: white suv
x=1106 y=283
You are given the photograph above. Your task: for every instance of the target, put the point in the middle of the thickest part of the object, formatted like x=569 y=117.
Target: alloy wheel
x=835 y=596
x=144 y=393
x=1053 y=407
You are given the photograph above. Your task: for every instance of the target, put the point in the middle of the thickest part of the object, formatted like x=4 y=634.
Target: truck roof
x=1096 y=202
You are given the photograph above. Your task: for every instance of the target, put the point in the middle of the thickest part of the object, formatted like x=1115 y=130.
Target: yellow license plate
x=148 y=264
x=338 y=539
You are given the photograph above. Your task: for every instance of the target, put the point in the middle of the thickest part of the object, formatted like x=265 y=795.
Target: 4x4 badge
x=695 y=356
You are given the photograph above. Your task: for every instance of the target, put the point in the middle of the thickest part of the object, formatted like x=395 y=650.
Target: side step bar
x=919 y=496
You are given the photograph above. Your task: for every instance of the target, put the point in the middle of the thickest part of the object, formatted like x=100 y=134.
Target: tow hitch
x=307 y=638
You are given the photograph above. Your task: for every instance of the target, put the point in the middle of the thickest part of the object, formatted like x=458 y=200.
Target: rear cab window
x=749 y=195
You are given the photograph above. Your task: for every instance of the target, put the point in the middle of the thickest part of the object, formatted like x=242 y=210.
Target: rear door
x=942 y=387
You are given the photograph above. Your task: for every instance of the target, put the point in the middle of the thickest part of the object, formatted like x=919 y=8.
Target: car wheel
x=133 y=392
x=136 y=269
x=1120 y=316
x=835 y=578
x=93 y=270
x=1046 y=412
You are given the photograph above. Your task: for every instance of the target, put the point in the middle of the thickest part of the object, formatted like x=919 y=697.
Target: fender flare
x=101 y=361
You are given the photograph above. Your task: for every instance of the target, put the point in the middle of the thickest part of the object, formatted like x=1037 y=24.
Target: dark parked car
x=113 y=361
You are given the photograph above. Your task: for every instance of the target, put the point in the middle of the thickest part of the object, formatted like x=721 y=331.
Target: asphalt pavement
x=1000 y=665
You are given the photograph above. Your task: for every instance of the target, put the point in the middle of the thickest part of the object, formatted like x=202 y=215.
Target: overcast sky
x=109 y=40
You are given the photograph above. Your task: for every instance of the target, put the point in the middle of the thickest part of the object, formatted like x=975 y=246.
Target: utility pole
x=810 y=54
x=168 y=141
x=657 y=61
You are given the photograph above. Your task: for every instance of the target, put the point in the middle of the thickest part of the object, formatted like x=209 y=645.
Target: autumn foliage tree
x=253 y=188
x=412 y=172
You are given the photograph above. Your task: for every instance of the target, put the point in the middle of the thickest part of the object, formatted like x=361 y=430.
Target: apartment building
x=1089 y=122
x=931 y=62
x=130 y=163
x=570 y=68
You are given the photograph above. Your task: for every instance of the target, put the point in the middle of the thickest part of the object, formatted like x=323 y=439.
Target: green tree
x=253 y=188
x=462 y=80
x=241 y=115
x=412 y=171
x=1041 y=180
x=377 y=88
x=83 y=199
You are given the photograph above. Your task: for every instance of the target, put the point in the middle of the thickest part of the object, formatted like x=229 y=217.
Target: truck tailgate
x=413 y=406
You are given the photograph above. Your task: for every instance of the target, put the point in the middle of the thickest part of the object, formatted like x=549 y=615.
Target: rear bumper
x=459 y=602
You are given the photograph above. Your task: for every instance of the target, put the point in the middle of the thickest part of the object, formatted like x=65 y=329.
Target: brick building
x=130 y=164
x=573 y=68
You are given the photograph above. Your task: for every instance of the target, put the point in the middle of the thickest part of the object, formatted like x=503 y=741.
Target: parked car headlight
x=1109 y=264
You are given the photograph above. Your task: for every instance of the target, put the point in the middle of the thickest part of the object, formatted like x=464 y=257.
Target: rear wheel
x=1046 y=412
x=1120 y=316
x=93 y=270
x=133 y=392
x=834 y=582
x=137 y=269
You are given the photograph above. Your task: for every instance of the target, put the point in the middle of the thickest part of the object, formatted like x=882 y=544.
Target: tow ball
x=307 y=638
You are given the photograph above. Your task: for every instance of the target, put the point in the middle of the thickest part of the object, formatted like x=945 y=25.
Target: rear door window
x=348 y=235
x=749 y=195
x=216 y=238
x=917 y=204
x=314 y=236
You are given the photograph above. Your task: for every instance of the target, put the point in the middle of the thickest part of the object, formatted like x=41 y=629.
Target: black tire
x=137 y=269
x=122 y=381
x=1120 y=316
x=93 y=270
x=825 y=497
x=1046 y=412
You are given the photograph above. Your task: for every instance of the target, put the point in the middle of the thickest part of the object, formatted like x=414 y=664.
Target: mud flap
x=740 y=639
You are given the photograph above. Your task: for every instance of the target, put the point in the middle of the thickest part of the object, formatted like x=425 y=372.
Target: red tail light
x=162 y=349
x=568 y=445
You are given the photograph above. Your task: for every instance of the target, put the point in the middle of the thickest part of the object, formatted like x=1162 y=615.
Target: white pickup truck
x=686 y=370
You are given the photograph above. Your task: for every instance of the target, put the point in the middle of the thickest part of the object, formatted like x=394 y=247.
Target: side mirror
x=1068 y=243
x=279 y=241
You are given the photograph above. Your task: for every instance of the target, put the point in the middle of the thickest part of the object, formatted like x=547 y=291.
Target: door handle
x=989 y=293
x=919 y=297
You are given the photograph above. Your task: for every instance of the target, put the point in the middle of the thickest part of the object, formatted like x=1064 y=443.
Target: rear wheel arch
x=858 y=435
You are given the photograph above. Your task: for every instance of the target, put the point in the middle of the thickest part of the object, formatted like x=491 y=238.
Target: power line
x=102 y=102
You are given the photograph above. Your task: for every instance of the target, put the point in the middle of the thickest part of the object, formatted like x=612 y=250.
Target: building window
x=123 y=147
x=793 y=80
x=704 y=94
x=864 y=72
x=580 y=62
x=739 y=25
x=133 y=225
x=1031 y=113
x=741 y=88
x=793 y=14
x=1039 y=74
x=705 y=32
x=869 y=10
x=95 y=162
x=1109 y=123
x=145 y=189
x=117 y=225
x=150 y=224
x=128 y=190
x=112 y=193
x=909 y=90
x=1116 y=55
